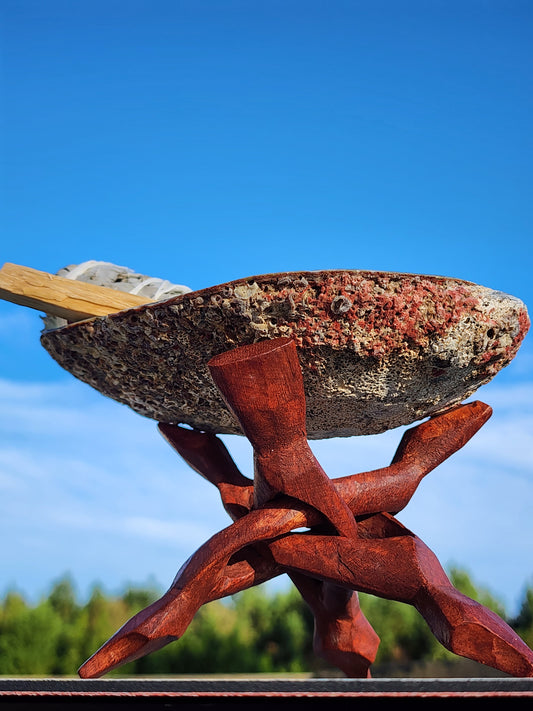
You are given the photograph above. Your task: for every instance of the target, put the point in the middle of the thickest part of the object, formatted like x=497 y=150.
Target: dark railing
x=183 y=694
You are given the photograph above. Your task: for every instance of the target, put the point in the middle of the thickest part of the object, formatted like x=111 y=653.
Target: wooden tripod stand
x=353 y=542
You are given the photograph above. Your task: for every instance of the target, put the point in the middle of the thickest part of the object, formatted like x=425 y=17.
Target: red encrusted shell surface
x=377 y=349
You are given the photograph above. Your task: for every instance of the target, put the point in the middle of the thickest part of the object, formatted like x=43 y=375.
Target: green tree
x=14 y=609
x=523 y=623
x=62 y=599
x=28 y=638
x=255 y=631
x=403 y=632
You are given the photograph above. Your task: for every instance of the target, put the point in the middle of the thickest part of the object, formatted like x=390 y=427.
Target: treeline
x=253 y=632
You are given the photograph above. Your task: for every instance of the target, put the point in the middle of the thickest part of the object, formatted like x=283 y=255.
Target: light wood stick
x=57 y=296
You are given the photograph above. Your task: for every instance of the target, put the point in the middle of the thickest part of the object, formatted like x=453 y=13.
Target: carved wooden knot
x=353 y=542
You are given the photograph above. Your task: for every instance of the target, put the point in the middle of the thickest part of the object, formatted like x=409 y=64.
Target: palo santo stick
x=57 y=296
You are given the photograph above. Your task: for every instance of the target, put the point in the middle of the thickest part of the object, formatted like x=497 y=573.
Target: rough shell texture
x=378 y=350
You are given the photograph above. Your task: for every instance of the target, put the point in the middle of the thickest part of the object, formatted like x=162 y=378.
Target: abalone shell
x=377 y=349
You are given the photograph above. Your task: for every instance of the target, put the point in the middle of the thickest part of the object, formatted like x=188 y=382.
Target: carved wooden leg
x=343 y=636
x=168 y=618
x=421 y=450
x=263 y=386
x=401 y=567
x=391 y=562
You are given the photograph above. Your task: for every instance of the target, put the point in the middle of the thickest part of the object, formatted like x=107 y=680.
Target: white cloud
x=79 y=473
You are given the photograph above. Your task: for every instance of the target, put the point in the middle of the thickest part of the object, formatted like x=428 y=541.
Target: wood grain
x=57 y=296
x=376 y=555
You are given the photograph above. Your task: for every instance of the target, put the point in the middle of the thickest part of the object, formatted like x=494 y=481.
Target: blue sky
x=203 y=141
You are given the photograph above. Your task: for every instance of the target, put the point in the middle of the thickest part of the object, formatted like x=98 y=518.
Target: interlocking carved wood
x=353 y=540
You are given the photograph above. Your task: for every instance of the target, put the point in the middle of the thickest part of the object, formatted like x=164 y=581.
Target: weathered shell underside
x=378 y=350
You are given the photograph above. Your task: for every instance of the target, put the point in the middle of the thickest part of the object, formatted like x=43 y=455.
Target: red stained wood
x=263 y=386
x=354 y=542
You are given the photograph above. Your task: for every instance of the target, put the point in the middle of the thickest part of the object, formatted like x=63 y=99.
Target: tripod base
x=353 y=543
